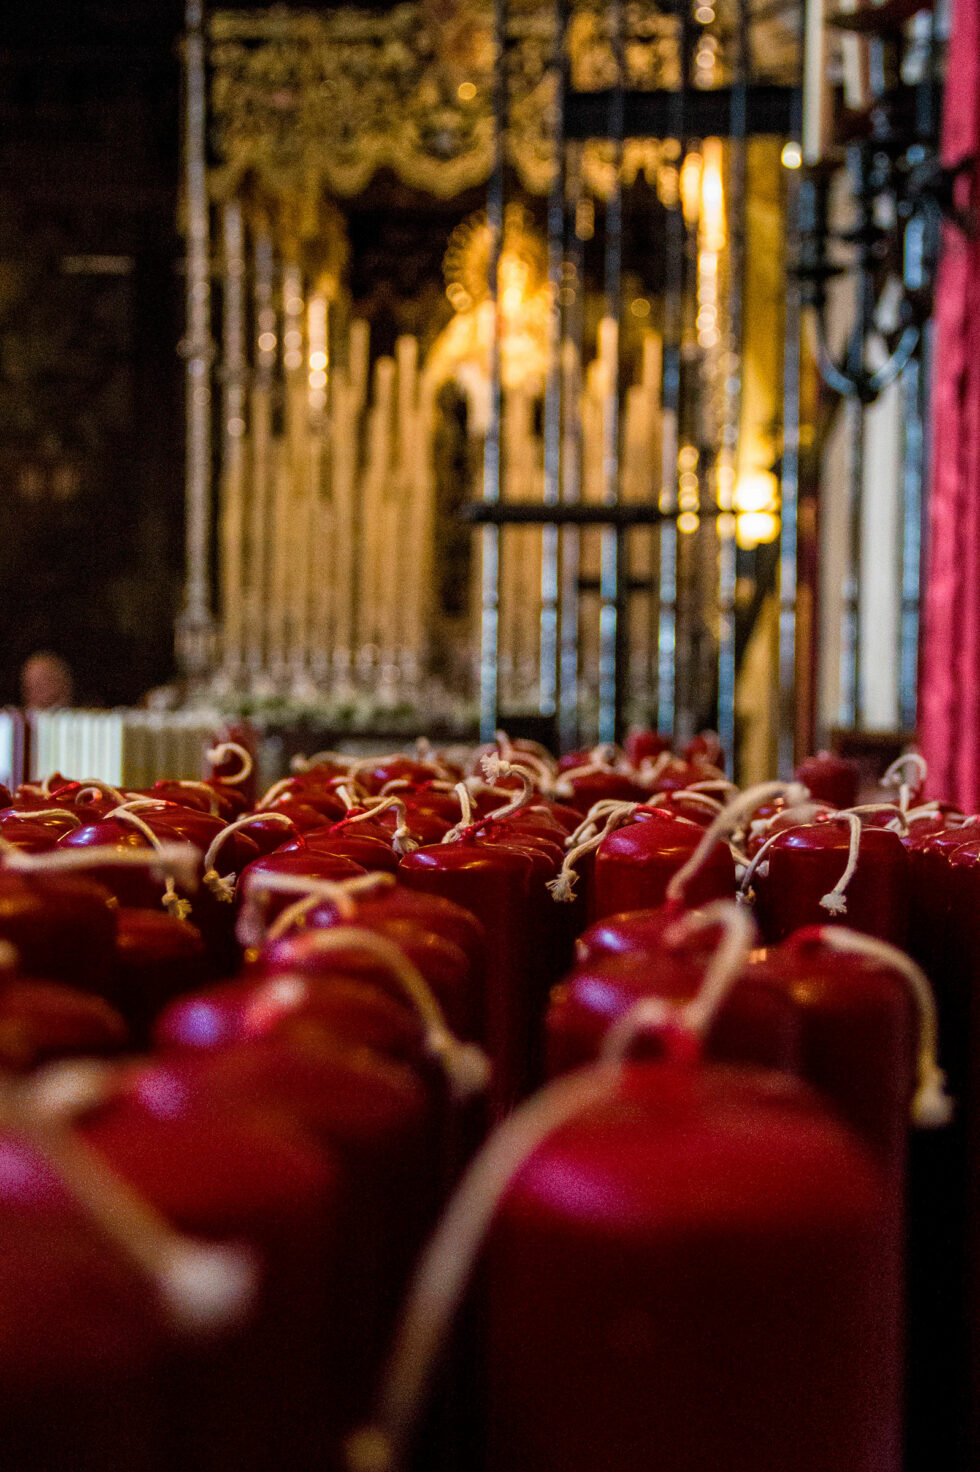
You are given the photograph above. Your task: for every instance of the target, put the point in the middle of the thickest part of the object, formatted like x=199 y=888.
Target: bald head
x=45 y=682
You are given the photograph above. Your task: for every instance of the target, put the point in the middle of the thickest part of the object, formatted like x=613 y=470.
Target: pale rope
x=690 y=794
x=232 y=748
x=726 y=823
x=493 y=770
x=713 y=784
x=465 y=805
x=222 y=886
x=442 y=1276
x=403 y=840
x=895 y=776
x=445 y=1267
x=306 y=763
x=726 y=965
x=251 y=929
x=562 y=887
x=562 y=787
x=651 y=768
x=802 y=812
x=94 y=784
x=285 y=784
x=744 y=895
x=494 y=767
x=298 y=910
x=203 y=787
x=466 y=1066
x=931 y=1106
x=597 y=815
x=172 y=902
x=898 y=814
x=834 y=901
x=204 y=1286
x=178 y=860
x=26 y=817
x=540 y=759
x=402 y=784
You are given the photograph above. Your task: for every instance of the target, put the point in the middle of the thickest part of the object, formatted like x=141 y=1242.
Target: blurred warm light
x=756 y=491
x=318 y=360
x=704 y=15
x=757 y=503
x=727 y=524
x=791 y=156
x=267 y=342
x=640 y=307
x=687 y=457
x=687 y=522
x=712 y=196
x=690 y=186
x=754 y=527
x=466 y=91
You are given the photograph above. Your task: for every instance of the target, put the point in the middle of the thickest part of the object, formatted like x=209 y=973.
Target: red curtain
x=949 y=697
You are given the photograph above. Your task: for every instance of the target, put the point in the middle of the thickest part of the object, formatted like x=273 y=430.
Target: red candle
x=157 y=957
x=216 y=1168
x=495 y=885
x=835 y=870
x=635 y=864
x=352 y=1011
x=667 y=1253
x=82 y=1339
x=41 y=1021
x=830 y=778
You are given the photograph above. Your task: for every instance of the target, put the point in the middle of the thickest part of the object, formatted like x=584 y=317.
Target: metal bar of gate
x=549 y=681
x=614 y=560
x=571 y=451
x=490 y=535
x=674 y=254
x=737 y=179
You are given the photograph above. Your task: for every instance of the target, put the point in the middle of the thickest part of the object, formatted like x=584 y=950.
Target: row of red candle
x=499 y=870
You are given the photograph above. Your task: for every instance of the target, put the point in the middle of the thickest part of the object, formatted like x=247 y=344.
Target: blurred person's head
x=45 y=682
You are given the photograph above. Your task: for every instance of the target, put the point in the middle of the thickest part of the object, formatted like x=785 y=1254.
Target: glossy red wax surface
x=157 y=957
x=830 y=778
x=41 y=1020
x=755 y=1023
x=635 y=863
x=443 y=965
x=495 y=885
x=806 y=863
x=136 y=887
x=82 y=1344
x=859 y=1034
x=430 y=912
x=694 y=1276
x=352 y=1011
x=373 y=854
x=592 y=787
x=305 y=865
x=62 y=926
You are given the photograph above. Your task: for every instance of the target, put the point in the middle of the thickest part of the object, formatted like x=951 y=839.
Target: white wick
x=931 y=1106
x=724 y=969
x=223 y=885
x=217 y=754
x=727 y=822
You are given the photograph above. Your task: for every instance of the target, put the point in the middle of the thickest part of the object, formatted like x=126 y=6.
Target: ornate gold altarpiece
x=329 y=503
